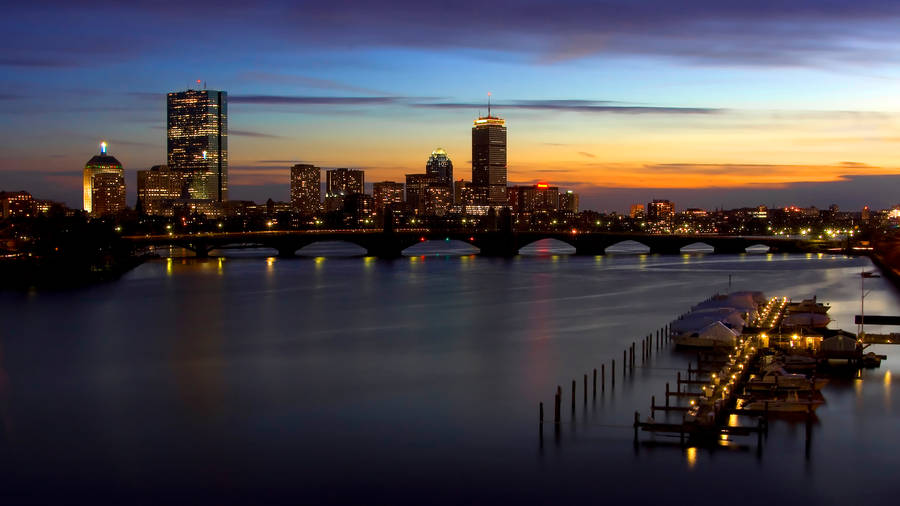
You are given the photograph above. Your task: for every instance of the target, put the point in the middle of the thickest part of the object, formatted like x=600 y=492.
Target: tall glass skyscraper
x=489 y=159
x=197 y=135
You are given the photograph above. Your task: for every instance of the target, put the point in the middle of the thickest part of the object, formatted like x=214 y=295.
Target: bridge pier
x=287 y=252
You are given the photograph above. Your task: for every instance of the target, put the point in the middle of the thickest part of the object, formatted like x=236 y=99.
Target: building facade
x=99 y=164
x=660 y=210
x=344 y=181
x=440 y=168
x=489 y=158
x=416 y=187
x=17 y=205
x=157 y=190
x=568 y=201
x=107 y=193
x=386 y=194
x=197 y=141
x=306 y=190
x=539 y=197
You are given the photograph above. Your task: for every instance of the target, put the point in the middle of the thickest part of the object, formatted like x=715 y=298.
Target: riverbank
x=28 y=273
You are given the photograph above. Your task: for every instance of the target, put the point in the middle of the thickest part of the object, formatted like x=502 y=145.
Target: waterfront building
x=489 y=159
x=306 y=189
x=568 y=201
x=107 y=193
x=17 y=205
x=386 y=194
x=197 y=141
x=660 y=210
x=636 y=211
x=99 y=164
x=438 y=199
x=416 y=186
x=540 y=197
x=440 y=167
x=157 y=190
x=359 y=209
x=344 y=181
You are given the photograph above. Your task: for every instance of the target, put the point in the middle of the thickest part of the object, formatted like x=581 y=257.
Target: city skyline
x=761 y=106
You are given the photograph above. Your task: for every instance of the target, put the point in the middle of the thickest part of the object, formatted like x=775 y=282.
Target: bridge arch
x=329 y=248
x=443 y=247
x=627 y=247
x=697 y=247
x=243 y=250
x=758 y=248
x=547 y=246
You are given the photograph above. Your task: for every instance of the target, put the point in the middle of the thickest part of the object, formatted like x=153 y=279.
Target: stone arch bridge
x=504 y=244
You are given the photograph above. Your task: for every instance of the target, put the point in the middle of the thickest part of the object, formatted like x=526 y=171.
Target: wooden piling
x=624 y=363
x=637 y=423
x=667 y=394
x=542 y=414
x=603 y=377
x=652 y=405
x=595 y=382
x=612 y=375
x=557 y=403
x=573 y=396
x=585 y=389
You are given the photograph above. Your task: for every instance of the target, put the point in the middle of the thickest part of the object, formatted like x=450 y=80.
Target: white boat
x=778 y=378
x=713 y=335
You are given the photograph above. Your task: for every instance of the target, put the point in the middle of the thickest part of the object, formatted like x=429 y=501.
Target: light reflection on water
x=368 y=380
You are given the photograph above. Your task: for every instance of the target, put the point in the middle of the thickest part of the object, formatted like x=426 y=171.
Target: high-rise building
x=157 y=190
x=99 y=164
x=438 y=199
x=540 y=197
x=440 y=167
x=344 y=181
x=416 y=186
x=17 y=205
x=107 y=193
x=306 y=189
x=660 y=210
x=385 y=194
x=489 y=158
x=568 y=201
x=636 y=211
x=197 y=141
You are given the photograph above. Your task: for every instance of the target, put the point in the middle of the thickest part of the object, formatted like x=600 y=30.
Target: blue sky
x=707 y=103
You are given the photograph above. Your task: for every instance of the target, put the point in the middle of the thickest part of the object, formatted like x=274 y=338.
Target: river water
x=250 y=379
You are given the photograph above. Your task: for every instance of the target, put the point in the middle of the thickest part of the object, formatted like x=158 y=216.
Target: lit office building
x=386 y=194
x=438 y=199
x=305 y=189
x=17 y=205
x=568 y=201
x=157 y=189
x=107 y=193
x=636 y=211
x=197 y=141
x=660 y=210
x=489 y=158
x=540 y=197
x=99 y=164
x=344 y=181
x=440 y=167
x=416 y=186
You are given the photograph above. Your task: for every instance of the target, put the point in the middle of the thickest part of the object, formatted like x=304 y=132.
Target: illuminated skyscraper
x=386 y=194
x=305 y=189
x=440 y=167
x=489 y=158
x=197 y=134
x=157 y=189
x=100 y=164
x=568 y=201
x=344 y=181
x=107 y=193
x=416 y=188
x=660 y=210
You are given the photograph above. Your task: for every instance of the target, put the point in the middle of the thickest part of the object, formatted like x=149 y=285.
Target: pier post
x=667 y=394
x=637 y=423
x=585 y=389
x=678 y=380
x=557 y=403
x=612 y=376
x=573 y=396
x=542 y=414
x=624 y=364
x=595 y=382
x=652 y=405
x=603 y=377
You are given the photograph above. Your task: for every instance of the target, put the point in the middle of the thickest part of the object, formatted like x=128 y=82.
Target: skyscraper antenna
x=489 y=104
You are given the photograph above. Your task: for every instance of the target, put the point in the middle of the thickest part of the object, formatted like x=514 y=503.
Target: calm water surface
x=254 y=380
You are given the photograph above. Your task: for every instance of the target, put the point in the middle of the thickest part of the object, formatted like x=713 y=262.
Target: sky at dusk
x=707 y=103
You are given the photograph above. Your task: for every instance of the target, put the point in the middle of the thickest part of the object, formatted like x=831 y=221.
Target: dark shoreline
x=62 y=274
